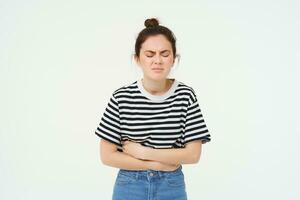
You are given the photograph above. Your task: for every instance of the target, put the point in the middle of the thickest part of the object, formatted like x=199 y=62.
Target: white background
x=61 y=60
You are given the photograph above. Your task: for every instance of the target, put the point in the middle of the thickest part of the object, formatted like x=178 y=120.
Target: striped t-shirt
x=170 y=120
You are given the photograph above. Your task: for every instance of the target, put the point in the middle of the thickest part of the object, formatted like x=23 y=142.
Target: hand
x=135 y=149
x=158 y=166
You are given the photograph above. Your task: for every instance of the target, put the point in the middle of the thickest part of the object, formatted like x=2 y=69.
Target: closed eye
x=162 y=55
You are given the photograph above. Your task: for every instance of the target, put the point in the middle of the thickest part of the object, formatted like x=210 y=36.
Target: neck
x=156 y=87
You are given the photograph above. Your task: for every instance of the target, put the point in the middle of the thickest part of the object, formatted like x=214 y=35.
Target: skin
x=156 y=52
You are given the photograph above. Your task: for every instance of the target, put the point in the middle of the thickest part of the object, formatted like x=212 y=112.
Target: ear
x=136 y=59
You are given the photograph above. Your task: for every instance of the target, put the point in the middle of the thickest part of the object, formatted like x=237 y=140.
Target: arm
x=188 y=155
x=111 y=157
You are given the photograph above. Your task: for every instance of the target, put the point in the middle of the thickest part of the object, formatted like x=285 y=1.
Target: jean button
x=151 y=174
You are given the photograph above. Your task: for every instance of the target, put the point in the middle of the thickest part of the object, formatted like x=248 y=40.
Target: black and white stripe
x=168 y=123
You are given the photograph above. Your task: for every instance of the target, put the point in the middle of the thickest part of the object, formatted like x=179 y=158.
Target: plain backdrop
x=61 y=60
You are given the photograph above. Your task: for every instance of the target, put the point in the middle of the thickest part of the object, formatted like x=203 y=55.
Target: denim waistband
x=149 y=172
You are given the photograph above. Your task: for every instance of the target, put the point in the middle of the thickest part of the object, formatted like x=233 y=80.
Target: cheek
x=169 y=60
x=146 y=61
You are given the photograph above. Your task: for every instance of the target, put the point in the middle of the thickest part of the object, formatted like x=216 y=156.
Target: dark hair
x=153 y=28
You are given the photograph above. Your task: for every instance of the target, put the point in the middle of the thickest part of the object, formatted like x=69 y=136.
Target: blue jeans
x=149 y=185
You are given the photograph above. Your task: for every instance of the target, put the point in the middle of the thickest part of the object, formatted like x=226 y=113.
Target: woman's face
x=156 y=57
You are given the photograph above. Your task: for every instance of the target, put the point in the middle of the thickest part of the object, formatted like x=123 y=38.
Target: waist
x=149 y=172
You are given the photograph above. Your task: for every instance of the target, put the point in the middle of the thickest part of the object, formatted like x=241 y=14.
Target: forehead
x=156 y=43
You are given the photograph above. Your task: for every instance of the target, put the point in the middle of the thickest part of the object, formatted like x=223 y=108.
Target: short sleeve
x=195 y=126
x=109 y=125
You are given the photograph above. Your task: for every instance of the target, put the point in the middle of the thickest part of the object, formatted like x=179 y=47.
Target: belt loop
x=160 y=174
x=137 y=175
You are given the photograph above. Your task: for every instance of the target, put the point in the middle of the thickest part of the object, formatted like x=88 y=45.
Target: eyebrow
x=154 y=51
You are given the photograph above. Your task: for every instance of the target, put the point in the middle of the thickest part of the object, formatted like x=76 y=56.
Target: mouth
x=157 y=69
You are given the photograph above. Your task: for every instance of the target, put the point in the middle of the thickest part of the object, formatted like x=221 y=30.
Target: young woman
x=152 y=126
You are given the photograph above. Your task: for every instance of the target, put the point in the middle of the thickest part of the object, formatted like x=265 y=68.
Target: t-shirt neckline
x=157 y=97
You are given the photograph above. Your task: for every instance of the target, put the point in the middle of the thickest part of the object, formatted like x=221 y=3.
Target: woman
x=153 y=125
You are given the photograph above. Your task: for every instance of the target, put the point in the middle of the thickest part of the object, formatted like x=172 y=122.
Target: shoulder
x=127 y=88
x=189 y=90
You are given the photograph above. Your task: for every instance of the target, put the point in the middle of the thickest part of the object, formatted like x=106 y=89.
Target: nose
x=157 y=59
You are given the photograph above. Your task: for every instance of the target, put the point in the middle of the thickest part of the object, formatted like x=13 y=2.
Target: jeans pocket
x=175 y=180
x=123 y=179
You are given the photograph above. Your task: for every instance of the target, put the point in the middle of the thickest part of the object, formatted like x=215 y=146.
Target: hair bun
x=152 y=22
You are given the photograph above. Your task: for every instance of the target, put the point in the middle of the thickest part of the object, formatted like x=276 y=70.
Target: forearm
x=172 y=156
x=122 y=160
x=190 y=154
